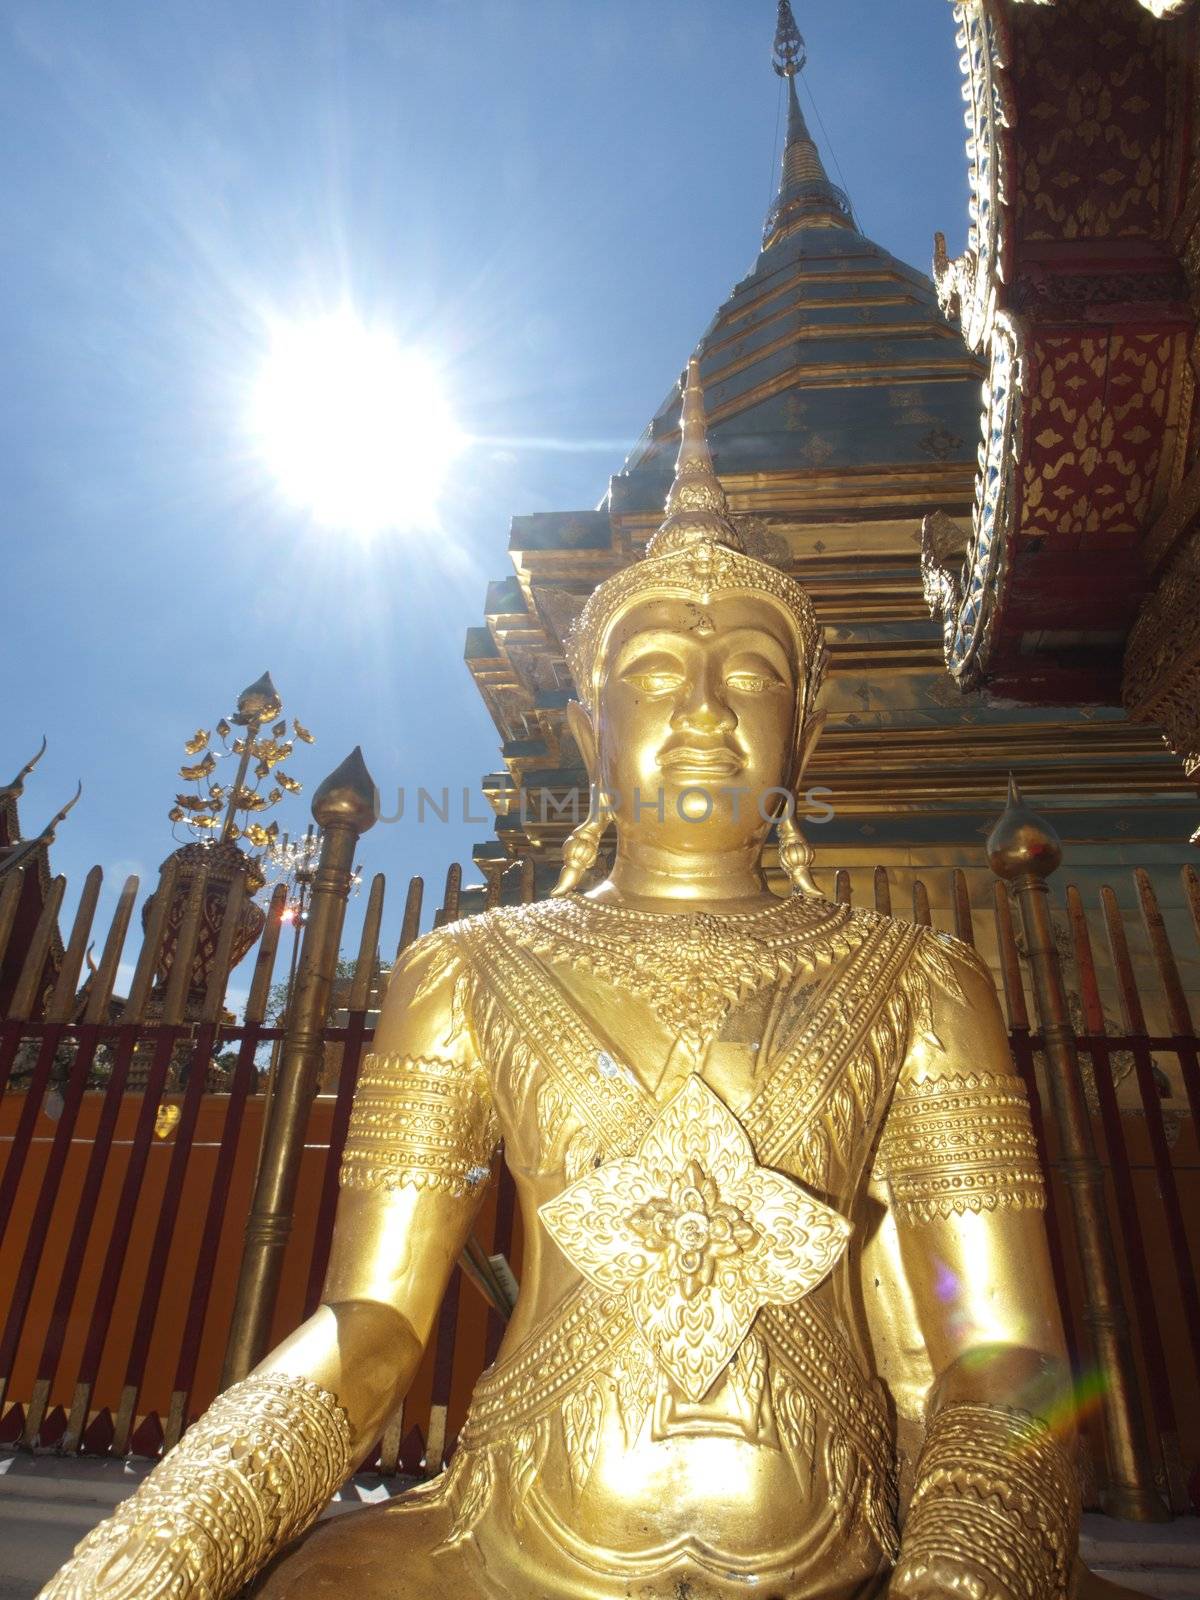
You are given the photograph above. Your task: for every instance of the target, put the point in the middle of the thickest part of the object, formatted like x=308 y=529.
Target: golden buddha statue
x=787 y=1325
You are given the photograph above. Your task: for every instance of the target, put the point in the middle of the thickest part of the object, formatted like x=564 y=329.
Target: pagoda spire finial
x=789 y=53
x=806 y=198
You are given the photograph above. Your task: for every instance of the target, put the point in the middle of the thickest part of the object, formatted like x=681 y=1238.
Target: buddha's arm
x=263 y=1461
x=994 y=1507
x=417 y=1159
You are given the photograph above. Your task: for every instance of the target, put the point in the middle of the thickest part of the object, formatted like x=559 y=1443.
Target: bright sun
x=355 y=428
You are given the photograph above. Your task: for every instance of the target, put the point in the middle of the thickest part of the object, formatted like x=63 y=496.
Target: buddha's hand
x=994 y=1515
x=250 y=1475
x=947 y=1577
x=120 y=1562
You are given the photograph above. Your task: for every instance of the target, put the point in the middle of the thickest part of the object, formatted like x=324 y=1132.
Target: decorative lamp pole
x=293 y=862
x=344 y=807
x=1024 y=850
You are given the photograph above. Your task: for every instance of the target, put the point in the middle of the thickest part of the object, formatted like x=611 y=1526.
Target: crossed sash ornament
x=681 y=1220
x=696 y=1234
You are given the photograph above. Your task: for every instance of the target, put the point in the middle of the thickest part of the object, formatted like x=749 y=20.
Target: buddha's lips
x=691 y=762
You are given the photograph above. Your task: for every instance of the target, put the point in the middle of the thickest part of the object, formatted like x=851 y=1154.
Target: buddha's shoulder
x=437 y=956
x=953 y=964
x=426 y=972
x=519 y=919
x=537 y=926
x=544 y=925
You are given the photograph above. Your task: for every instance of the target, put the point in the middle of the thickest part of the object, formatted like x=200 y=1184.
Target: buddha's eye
x=654 y=683
x=752 y=682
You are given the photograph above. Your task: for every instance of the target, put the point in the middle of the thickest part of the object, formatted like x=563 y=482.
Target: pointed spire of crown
x=697 y=511
x=806 y=198
x=697 y=553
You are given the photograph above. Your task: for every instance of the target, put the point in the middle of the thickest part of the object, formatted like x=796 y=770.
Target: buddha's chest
x=551 y=1141
x=581 y=1070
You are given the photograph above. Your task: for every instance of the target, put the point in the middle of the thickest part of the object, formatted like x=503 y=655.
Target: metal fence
x=131 y=1132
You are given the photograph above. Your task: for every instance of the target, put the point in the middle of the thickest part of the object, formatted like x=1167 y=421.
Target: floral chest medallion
x=696 y=1234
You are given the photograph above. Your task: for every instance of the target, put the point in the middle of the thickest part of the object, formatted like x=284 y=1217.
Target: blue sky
x=551 y=196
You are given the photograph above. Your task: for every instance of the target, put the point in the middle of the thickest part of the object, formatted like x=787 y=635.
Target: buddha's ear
x=583 y=731
x=806 y=742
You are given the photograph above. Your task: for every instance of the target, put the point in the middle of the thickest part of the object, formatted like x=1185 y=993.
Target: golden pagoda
x=844 y=407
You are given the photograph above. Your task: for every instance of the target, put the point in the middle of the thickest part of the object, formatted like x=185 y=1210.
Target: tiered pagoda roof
x=843 y=406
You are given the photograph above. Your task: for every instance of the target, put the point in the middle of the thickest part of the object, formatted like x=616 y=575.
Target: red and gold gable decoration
x=1095 y=126
x=1095 y=458
x=1081 y=281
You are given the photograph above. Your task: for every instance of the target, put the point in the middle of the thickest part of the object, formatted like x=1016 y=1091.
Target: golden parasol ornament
x=230 y=809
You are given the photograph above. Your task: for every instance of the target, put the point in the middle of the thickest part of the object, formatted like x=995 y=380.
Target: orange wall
x=174 y=1292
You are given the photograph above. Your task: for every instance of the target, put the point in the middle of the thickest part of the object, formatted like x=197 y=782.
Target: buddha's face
x=696 y=723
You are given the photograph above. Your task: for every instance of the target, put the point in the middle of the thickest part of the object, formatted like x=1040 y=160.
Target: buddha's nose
x=701 y=706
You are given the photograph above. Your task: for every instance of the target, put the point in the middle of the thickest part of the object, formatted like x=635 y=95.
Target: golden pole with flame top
x=344 y=807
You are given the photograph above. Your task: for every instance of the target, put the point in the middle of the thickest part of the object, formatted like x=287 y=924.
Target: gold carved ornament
x=955 y=1141
x=426 y=1120
x=243 y=1481
x=960 y=1143
x=690 y=1228
x=690 y=969
x=419 y=1120
x=1162 y=657
x=696 y=1235
x=996 y=1495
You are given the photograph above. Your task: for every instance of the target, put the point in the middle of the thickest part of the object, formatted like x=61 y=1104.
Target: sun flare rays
x=354 y=427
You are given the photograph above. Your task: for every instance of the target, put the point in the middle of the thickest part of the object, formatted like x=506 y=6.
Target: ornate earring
x=795 y=855
x=580 y=852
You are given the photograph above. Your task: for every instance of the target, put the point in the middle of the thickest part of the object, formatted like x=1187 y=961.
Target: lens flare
x=1063 y=1406
x=1079 y=1402
x=354 y=426
x=946 y=1285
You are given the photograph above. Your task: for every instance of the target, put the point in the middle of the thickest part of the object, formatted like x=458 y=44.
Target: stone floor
x=47 y=1505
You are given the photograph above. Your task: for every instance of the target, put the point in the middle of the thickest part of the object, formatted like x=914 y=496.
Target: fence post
x=344 y=808
x=448 y=910
x=1024 y=850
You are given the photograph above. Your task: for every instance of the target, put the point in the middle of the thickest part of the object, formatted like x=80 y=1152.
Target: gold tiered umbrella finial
x=789 y=53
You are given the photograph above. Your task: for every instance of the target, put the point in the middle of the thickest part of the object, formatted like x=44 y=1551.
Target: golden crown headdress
x=697 y=554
